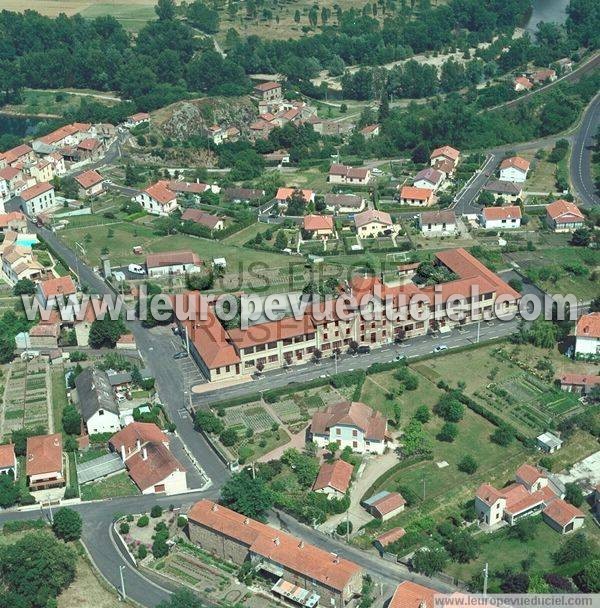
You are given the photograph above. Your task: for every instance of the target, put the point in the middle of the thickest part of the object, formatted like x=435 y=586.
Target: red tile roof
x=263 y=333
x=90 y=178
x=412 y=595
x=371 y=422
x=139 y=117
x=579 y=380
x=45 y=330
x=89 y=143
x=284 y=193
x=369 y=129
x=7 y=218
x=562 y=512
x=276 y=546
x=152 y=465
x=516 y=162
x=187 y=187
x=388 y=503
x=529 y=474
x=391 y=536
x=7 y=456
x=145 y=432
x=267 y=86
x=157 y=260
x=502 y=213
x=350 y=172
x=10 y=156
x=161 y=193
x=524 y=82
x=201 y=217
x=58 y=286
x=9 y=173
x=416 y=194
x=488 y=494
x=447 y=151
x=313 y=223
x=37 y=190
x=44 y=454
x=588 y=326
x=336 y=475
x=561 y=208
x=518 y=499
x=60 y=134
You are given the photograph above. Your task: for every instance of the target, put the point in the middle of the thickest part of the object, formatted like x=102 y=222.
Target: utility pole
x=485 y=579
x=478 y=328
x=348 y=526
x=50 y=509
x=123 y=594
x=336 y=363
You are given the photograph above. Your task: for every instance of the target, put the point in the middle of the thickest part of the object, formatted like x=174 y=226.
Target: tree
x=468 y=464
x=588 y=580
x=503 y=435
x=449 y=407
x=281 y=240
x=156 y=511
x=9 y=491
x=573 y=494
x=71 y=420
x=165 y=10
x=462 y=547
x=524 y=529
x=423 y=414
x=448 y=432
x=430 y=560
x=514 y=582
x=182 y=598
x=414 y=440
x=420 y=154
x=105 y=332
x=575 y=548
x=203 y=17
x=250 y=497
x=37 y=568
x=206 y=421
x=228 y=437
x=7 y=348
x=67 y=524
x=581 y=237
x=24 y=287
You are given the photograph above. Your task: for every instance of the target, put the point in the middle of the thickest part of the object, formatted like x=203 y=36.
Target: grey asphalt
x=580 y=168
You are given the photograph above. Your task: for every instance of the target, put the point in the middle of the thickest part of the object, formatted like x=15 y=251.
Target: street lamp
x=123 y=594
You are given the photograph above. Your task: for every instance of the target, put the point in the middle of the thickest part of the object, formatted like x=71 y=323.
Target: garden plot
x=252 y=417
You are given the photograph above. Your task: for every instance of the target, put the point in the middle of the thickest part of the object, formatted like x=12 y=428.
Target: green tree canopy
x=67 y=524
x=251 y=497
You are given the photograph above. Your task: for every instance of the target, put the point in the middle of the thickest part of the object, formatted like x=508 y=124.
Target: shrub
x=344 y=527
x=448 y=432
x=124 y=528
x=573 y=494
x=142 y=551
x=181 y=521
x=143 y=521
x=468 y=464
x=156 y=511
x=160 y=548
x=422 y=414
x=67 y=524
x=70 y=493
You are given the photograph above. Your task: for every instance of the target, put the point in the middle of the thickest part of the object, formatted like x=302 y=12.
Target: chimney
x=144 y=454
x=301 y=544
x=123 y=457
x=56 y=442
x=277 y=541
x=138 y=444
x=246 y=521
x=422 y=604
x=215 y=507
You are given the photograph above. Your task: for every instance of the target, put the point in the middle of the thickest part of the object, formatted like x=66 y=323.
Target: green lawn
x=57 y=102
x=112 y=487
x=59 y=397
x=91 y=454
x=132 y=16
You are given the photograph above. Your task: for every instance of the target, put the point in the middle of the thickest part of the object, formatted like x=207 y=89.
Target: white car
x=376 y=171
x=440 y=348
x=136 y=269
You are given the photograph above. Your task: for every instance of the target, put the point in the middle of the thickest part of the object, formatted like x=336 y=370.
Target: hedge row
x=15 y=525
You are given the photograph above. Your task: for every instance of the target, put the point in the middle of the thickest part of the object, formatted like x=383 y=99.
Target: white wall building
x=587 y=336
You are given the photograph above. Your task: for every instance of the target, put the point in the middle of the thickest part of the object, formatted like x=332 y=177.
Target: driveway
x=586 y=472
x=371 y=468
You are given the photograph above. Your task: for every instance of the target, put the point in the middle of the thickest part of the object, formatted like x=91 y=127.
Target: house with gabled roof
x=344 y=203
x=522 y=83
x=318 y=226
x=90 y=183
x=416 y=197
x=38 y=198
x=174 y=262
x=334 y=479
x=384 y=505
x=587 y=336
x=429 y=178
x=96 y=402
x=373 y=223
x=268 y=91
x=157 y=199
x=8 y=460
x=350 y=424
x=44 y=464
x=564 y=216
x=514 y=169
x=501 y=217
x=344 y=174
x=438 y=223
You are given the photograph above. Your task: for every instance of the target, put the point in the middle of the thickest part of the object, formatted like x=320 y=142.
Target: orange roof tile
x=7 y=218
x=516 y=162
x=37 y=190
x=447 y=151
x=284 y=193
x=354 y=413
x=272 y=331
x=313 y=223
x=529 y=474
x=415 y=194
x=588 y=326
x=580 y=380
x=336 y=475
x=145 y=432
x=412 y=595
x=502 y=213
x=7 y=456
x=560 y=208
x=58 y=286
x=161 y=193
x=391 y=536
x=90 y=178
x=562 y=512
x=44 y=454
x=152 y=465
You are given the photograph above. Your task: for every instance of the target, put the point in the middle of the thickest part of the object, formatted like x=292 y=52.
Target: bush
x=142 y=551
x=422 y=414
x=160 y=548
x=573 y=494
x=124 y=528
x=503 y=435
x=70 y=493
x=448 y=432
x=67 y=524
x=344 y=527
x=156 y=511
x=468 y=464
x=143 y=521
x=181 y=521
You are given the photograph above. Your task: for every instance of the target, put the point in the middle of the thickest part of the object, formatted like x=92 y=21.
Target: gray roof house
x=97 y=402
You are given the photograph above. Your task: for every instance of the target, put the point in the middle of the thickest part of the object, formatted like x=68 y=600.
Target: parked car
x=136 y=269
x=181 y=355
x=363 y=350
x=439 y=348
x=399 y=357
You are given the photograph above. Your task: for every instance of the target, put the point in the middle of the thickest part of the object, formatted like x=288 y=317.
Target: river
x=546 y=10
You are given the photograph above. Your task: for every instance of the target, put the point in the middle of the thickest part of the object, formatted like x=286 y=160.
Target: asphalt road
x=580 y=168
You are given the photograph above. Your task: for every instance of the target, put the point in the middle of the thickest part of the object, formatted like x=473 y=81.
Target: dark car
x=181 y=355
x=363 y=350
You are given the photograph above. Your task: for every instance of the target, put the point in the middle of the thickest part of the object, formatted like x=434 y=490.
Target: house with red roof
x=429 y=178
x=284 y=194
x=268 y=91
x=587 y=336
x=445 y=159
x=384 y=505
x=334 y=479
x=202 y=218
x=317 y=226
x=370 y=131
x=544 y=75
x=57 y=287
x=501 y=217
x=16 y=156
x=44 y=464
x=578 y=383
x=144 y=449
x=522 y=83
x=90 y=183
x=157 y=199
x=350 y=424
x=564 y=216
x=388 y=537
x=344 y=174
x=90 y=148
x=528 y=495
x=8 y=460
x=14 y=221
x=300 y=572
x=37 y=199
x=514 y=169
x=137 y=119
x=438 y=223
x=175 y=262
x=373 y=223
x=416 y=197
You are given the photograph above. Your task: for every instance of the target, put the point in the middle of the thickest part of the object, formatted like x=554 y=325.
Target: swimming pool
x=26 y=241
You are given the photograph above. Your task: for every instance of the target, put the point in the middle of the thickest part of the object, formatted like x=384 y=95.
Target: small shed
x=548 y=442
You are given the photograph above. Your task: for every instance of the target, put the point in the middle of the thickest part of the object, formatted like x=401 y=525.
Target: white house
x=501 y=217
x=144 y=449
x=177 y=262
x=157 y=199
x=344 y=203
x=344 y=174
x=371 y=223
x=90 y=183
x=38 y=198
x=429 y=178
x=514 y=169
x=334 y=479
x=508 y=191
x=438 y=223
x=350 y=424
x=587 y=336
x=97 y=402
x=564 y=216
x=445 y=159
x=44 y=464
x=416 y=197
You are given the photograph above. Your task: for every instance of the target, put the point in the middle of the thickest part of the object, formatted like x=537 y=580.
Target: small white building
x=564 y=216
x=97 y=402
x=429 y=178
x=350 y=424
x=548 y=442
x=344 y=174
x=501 y=217
x=438 y=223
x=177 y=262
x=514 y=169
x=38 y=198
x=587 y=336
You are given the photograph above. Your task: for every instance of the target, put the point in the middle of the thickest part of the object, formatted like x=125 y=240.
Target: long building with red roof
x=329 y=327
x=297 y=568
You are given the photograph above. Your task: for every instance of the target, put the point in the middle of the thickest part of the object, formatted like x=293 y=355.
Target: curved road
x=580 y=166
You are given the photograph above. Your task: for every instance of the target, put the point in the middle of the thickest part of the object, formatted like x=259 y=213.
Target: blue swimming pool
x=26 y=241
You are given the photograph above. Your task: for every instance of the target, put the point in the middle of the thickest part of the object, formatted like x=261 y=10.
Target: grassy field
x=56 y=102
x=117 y=485
x=59 y=396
